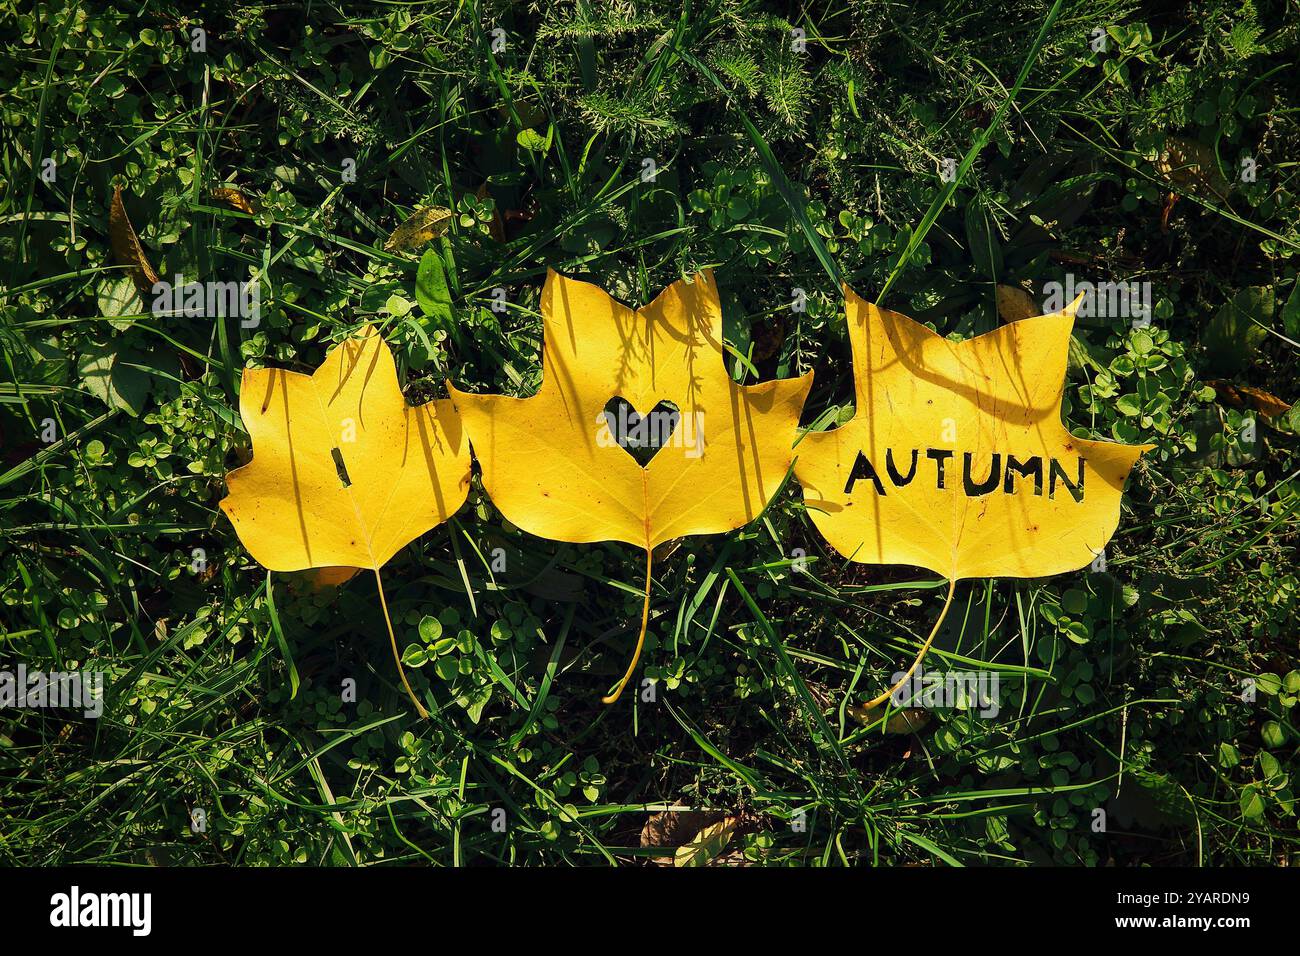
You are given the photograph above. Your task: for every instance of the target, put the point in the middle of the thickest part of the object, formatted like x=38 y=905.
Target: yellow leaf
x=906 y=721
x=235 y=198
x=127 y=250
x=706 y=844
x=344 y=472
x=407 y=468
x=422 y=226
x=1014 y=303
x=550 y=465
x=956 y=459
x=331 y=577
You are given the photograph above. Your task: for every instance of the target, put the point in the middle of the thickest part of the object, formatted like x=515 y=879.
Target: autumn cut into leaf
x=956 y=459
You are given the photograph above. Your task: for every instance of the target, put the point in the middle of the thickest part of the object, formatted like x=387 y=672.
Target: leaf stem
x=392 y=638
x=640 y=639
x=952 y=586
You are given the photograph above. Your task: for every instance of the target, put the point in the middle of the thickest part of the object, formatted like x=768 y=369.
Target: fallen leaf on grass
x=551 y=469
x=127 y=250
x=344 y=472
x=956 y=459
x=553 y=465
x=235 y=198
x=707 y=844
x=1243 y=396
x=1014 y=303
x=1192 y=167
x=676 y=826
x=698 y=836
x=422 y=226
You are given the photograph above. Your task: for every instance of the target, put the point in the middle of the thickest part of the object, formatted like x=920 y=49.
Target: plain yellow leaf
x=545 y=467
x=407 y=468
x=956 y=459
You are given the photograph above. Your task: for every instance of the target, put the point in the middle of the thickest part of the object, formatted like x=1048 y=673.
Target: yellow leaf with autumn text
x=956 y=459
x=552 y=462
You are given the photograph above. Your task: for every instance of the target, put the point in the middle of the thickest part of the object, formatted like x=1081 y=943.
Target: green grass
x=785 y=172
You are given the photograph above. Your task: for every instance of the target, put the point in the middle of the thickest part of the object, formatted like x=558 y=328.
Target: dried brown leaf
x=235 y=198
x=1192 y=167
x=676 y=826
x=1014 y=304
x=127 y=250
x=1243 y=396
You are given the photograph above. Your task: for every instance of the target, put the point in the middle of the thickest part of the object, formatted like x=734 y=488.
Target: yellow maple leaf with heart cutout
x=552 y=462
x=956 y=458
x=344 y=472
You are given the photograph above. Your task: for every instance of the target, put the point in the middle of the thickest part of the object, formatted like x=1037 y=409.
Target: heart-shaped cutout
x=641 y=436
